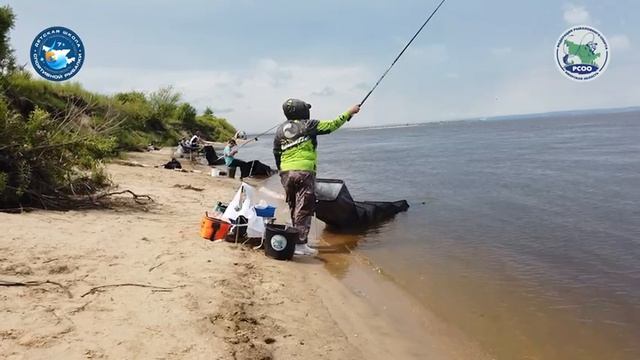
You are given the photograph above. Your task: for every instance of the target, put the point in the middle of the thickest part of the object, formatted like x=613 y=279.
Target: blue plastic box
x=269 y=211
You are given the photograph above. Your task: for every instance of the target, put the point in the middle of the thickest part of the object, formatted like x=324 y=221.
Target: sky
x=243 y=58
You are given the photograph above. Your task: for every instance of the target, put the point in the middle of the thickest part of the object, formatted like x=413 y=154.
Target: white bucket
x=179 y=152
x=215 y=172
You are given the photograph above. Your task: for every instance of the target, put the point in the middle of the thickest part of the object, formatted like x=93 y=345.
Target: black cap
x=295 y=109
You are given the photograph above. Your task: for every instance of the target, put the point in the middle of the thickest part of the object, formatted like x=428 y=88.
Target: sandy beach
x=139 y=283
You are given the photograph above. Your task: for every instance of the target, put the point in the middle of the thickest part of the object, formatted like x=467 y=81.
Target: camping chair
x=191 y=151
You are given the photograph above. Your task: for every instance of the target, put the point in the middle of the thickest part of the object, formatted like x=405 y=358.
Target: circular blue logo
x=57 y=53
x=278 y=242
x=582 y=53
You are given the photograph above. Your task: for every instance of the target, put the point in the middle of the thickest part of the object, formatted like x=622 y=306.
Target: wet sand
x=200 y=299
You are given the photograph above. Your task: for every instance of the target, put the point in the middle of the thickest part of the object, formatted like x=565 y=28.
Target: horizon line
x=517 y=115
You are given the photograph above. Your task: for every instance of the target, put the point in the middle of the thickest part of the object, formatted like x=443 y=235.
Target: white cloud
x=576 y=15
x=545 y=89
x=619 y=42
x=250 y=98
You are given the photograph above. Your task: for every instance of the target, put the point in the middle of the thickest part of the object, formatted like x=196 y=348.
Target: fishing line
x=255 y=138
x=402 y=52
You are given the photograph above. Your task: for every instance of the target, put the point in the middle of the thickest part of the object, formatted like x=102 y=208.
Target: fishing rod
x=401 y=52
x=255 y=138
x=381 y=77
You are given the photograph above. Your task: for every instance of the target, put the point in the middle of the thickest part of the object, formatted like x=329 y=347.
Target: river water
x=522 y=233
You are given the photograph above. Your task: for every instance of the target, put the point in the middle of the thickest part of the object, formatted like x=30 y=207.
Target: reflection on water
x=529 y=240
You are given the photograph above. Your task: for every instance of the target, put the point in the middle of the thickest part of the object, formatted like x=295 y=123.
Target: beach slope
x=139 y=283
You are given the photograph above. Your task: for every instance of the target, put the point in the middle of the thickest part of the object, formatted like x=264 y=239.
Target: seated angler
x=230 y=151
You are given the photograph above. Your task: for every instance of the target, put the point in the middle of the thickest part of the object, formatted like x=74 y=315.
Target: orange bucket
x=213 y=229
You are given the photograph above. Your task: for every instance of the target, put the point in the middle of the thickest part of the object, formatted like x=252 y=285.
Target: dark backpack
x=173 y=164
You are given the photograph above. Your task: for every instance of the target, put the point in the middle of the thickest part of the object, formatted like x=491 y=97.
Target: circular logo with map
x=291 y=129
x=57 y=53
x=582 y=53
x=278 y=242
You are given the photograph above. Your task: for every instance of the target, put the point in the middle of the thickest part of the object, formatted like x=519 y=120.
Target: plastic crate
x=269 y=211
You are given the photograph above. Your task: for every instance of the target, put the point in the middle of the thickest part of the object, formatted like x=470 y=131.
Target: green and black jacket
x=294 y=145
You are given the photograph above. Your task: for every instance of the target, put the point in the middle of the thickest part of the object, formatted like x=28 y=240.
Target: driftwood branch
x=137 y=198
x=102 y=287
x=155 y=266
x=61 y=200
x=188 y=187
x=35 y=283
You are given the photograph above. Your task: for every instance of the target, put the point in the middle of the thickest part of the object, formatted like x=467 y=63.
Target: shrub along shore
x=54 y=137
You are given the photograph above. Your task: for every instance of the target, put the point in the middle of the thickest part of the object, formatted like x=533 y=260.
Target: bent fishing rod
x=255 y=138
x=401 y=52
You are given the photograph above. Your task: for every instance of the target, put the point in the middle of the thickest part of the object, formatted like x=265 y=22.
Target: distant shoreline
x=530 y=116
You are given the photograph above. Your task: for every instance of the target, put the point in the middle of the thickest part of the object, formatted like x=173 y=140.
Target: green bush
x=54 y=137
x=164 y=119
x=216 y=128
x=48 y=163
x=7 y=20
x=159 y=118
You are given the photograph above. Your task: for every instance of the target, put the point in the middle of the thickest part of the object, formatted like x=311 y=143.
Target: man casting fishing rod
x=294 y=148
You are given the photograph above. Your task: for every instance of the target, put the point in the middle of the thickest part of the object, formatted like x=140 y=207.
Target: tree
x=131 y=97
x=7 y=59
x=164 y=100
x=186 y=116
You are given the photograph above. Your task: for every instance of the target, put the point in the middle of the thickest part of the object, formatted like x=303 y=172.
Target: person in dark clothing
x=294 y=149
